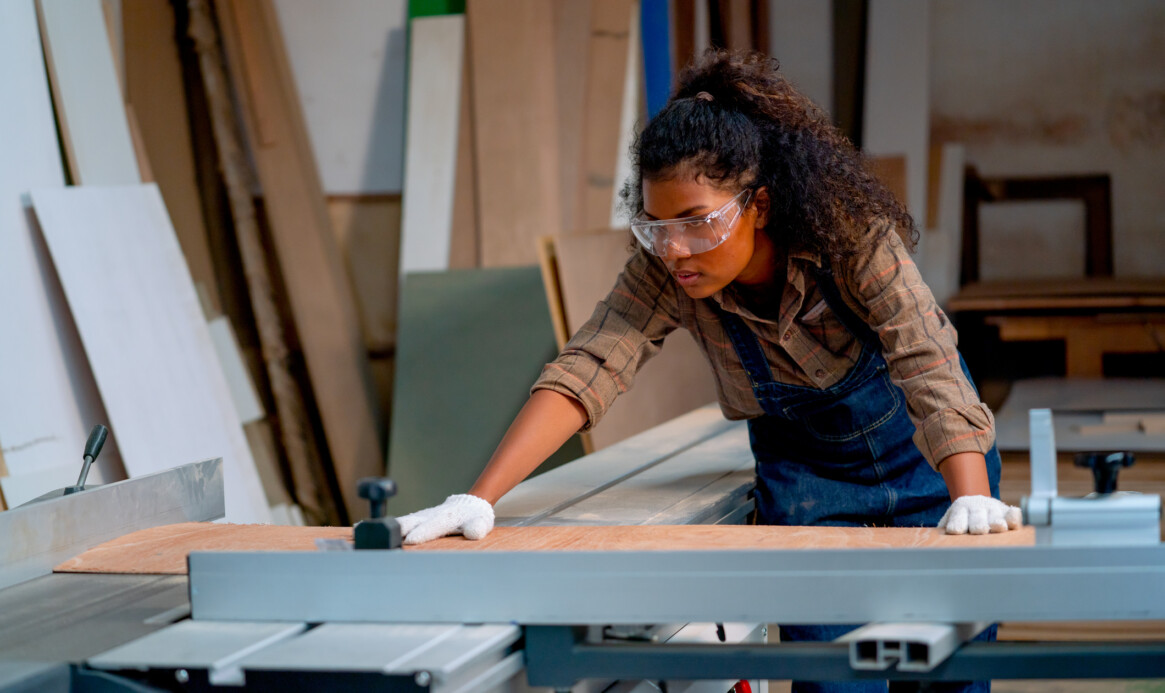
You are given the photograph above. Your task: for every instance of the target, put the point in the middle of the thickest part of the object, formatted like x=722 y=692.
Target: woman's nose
x=675 y=248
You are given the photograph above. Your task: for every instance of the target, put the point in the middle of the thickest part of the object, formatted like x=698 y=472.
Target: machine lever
x=379 y=531
x=1105 y=466
x=93 y=447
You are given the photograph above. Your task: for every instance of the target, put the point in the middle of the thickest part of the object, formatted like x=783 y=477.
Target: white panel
x=897 y=106
x=436 y=58
x=48 y=400
x=88 y=94
x=801 y=38
x=348 y=59
x=943 y=248
x=143 y=330
x=21 y=488
x=238 y=379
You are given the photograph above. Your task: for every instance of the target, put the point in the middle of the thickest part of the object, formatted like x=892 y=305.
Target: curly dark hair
x=735 y=121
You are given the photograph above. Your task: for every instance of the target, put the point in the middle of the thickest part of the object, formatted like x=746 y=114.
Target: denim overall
x=841 y=456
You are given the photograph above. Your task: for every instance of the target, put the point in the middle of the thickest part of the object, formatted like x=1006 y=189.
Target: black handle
x=96 y=440
x=377 y=491
x=1105 y=466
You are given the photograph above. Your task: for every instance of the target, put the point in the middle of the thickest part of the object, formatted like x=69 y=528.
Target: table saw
x=580 y=620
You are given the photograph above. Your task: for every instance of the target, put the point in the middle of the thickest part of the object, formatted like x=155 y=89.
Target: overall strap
x=857 y=327
x=747 y=346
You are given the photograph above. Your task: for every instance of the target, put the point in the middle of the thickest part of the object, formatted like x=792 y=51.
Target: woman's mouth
x=686 y=277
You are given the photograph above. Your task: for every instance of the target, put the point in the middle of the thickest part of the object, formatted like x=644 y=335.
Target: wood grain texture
x=155 y=93
x=673 y=383
x=48 y=398
x=318 y=286
x=87 y=93
x=610 y=29
x=145 y=335
x=515 y=127
x=163 y=550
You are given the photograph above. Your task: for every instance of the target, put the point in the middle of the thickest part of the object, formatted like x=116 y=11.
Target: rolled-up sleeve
x=921 y=350
x=626 y=329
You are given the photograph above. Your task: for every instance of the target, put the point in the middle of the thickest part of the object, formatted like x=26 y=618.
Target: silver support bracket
x=907 y=646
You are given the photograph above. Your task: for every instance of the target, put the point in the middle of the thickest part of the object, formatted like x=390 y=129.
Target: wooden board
x=675 y=382
x=471 y=344
x=436 y=62
x=368 y=230
x=349 y=60
x=48 y=399
x=87 y=93
x=143 y=330
x=572 y=22
x=1072 y=294
x=163 y=550
x=155 y=91
x=318 y=287
x=610 y=27
x=515 y=120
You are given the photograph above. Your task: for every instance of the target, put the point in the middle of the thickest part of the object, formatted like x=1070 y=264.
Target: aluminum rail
x=1038 y=583
x=38 y=536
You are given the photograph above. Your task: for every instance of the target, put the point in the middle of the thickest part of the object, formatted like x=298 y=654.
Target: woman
x=762 y=233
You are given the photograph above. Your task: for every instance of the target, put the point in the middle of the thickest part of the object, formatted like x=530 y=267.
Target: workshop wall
x=1057 y=86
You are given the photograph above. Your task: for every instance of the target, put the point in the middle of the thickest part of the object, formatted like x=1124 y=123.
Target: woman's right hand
x=459 y=514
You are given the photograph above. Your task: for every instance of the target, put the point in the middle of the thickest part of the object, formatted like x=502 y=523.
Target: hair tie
x=705 y=96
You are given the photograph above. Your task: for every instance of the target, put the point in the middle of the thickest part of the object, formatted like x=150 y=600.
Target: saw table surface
x=163 y=550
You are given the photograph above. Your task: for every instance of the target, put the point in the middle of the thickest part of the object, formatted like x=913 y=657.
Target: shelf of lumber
x=163 y=550
x=1092 y=294
x=1087 y=338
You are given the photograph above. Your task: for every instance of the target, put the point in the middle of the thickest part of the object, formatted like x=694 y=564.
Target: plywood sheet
x=515 y=127
x=87 y=93
x=368 y=229
x=318 y=286
x=163 y=550
x=610 y=35
x=156 y=95
x=471 y=344
x=349 y=59
x=675 y=382
x=436 y=62
x=143 y=330
x=48 y=399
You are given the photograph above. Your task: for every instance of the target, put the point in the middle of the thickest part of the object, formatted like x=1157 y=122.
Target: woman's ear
x=762 y=202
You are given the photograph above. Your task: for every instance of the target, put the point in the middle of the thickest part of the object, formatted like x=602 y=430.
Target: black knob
x=377 y=491
x=1105 y=466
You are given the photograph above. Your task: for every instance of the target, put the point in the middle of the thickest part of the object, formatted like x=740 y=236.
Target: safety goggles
x=691 y=235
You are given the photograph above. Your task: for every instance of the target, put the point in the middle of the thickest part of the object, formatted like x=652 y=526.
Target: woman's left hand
x=980 y=515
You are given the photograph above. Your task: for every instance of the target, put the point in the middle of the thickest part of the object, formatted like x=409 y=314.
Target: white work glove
x=980 y=515
x=469 y=515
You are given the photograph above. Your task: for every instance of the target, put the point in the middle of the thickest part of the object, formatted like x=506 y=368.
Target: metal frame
x=1038 y=583
x=558 y=656
x=41 y=535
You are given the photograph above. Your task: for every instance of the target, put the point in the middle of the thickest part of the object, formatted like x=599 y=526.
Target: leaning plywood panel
x=143 y=330
x=436 y=59
x=48 y=400
x=318 y=285
x=675 y=382
x=88 y=96
x=515 y=127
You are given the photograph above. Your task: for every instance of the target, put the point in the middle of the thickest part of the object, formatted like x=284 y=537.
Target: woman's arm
x=547 y=421
x=965 y=474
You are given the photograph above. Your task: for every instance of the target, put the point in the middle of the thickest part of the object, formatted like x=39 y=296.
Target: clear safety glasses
x=691 y=235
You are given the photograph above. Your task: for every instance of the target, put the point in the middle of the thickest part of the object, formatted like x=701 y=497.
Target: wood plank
x=465 y=236
x=318 y=287
x=675 y=382
x=156 y=93
x=1072 y=294
x=143 y=331
x=48 y=398
x=515 y=119
x=87 y=93
x=349 y=60
x=610 y=28
x=572 y=36
x=368 y=230
x=436 y=62
x=163 y=550
x=309 y=477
